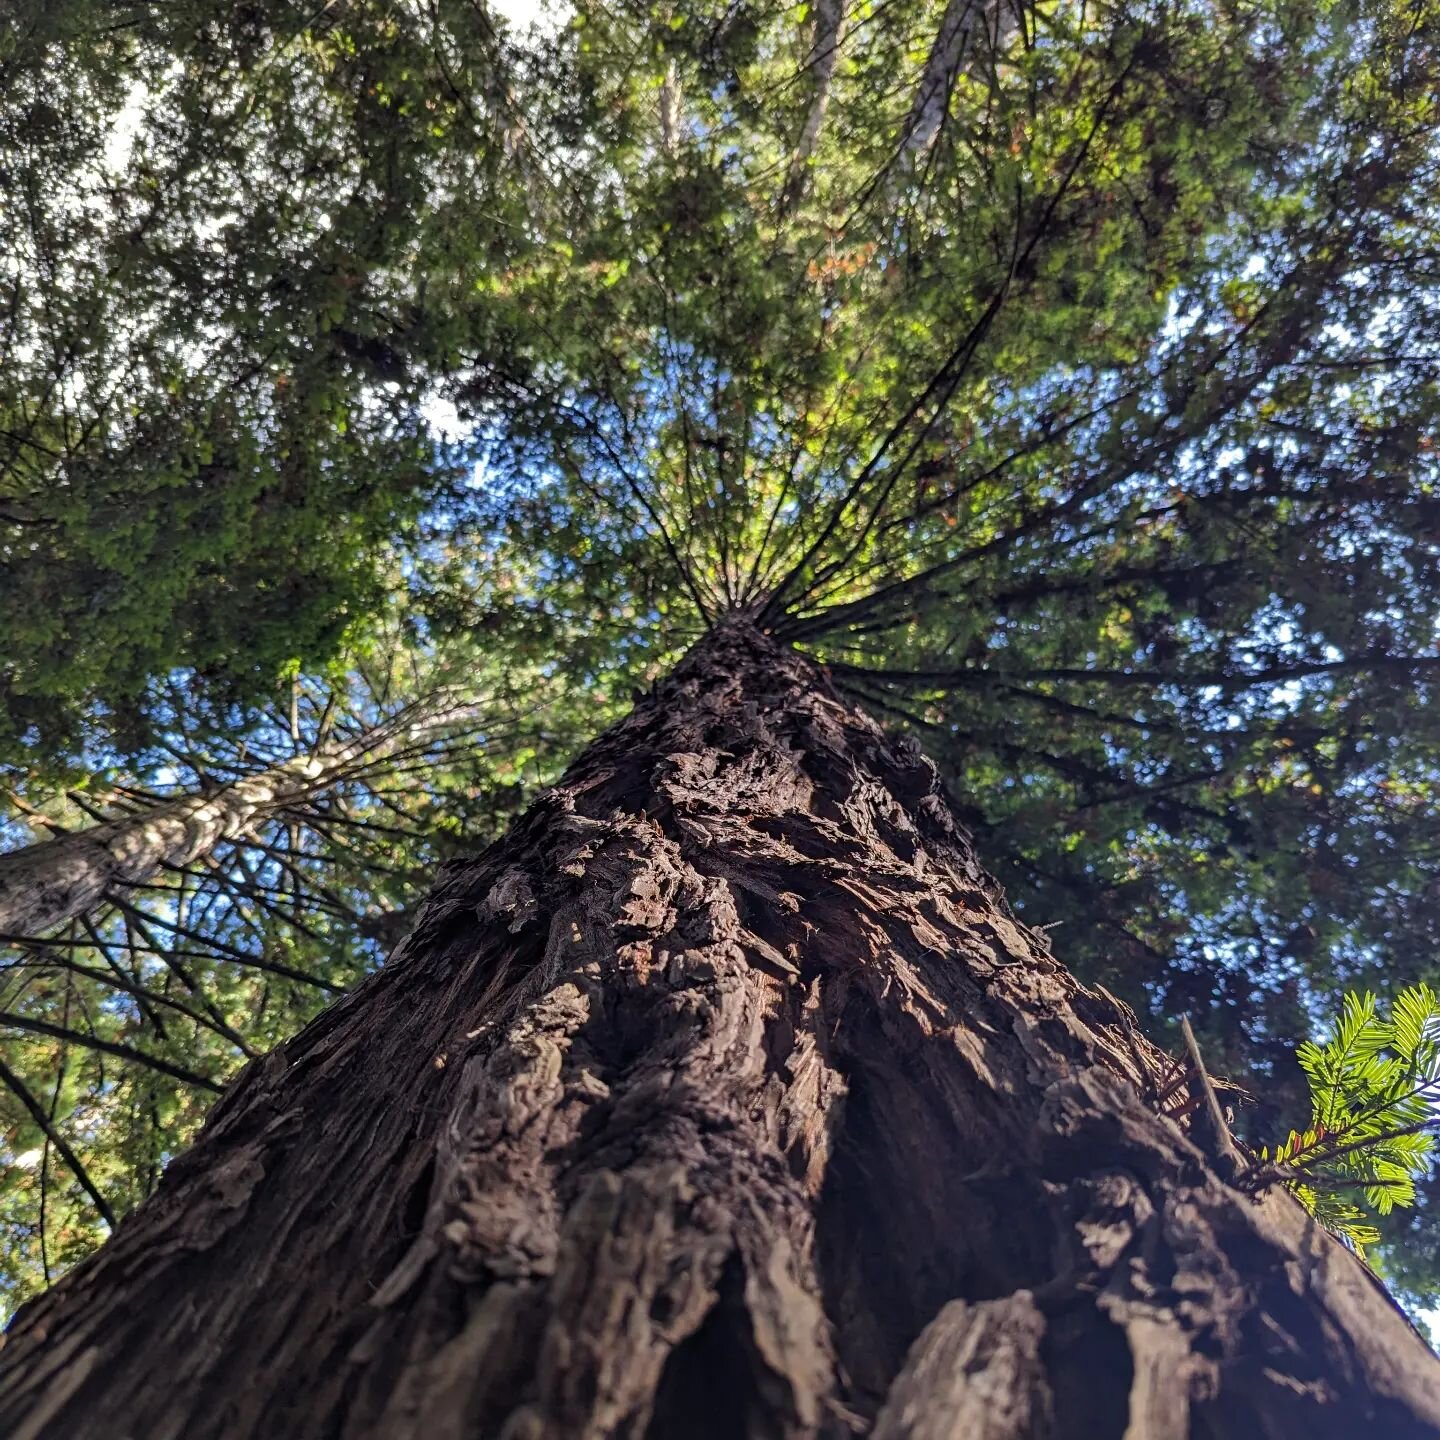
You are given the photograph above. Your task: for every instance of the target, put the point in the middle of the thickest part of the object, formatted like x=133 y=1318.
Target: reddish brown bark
x=725 y=1097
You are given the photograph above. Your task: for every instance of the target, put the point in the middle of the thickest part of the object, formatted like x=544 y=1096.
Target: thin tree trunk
x=824 y=56
x=724 y=1097
x=46 y=885
x=671 y=110
x=962 y=28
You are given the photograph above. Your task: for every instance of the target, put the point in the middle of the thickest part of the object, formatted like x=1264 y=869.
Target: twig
x=1209 y=1122
x=18 y=1088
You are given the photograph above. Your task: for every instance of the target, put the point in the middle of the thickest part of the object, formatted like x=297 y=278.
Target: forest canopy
x=393 y=390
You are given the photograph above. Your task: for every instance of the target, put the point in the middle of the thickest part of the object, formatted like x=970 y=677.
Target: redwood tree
x=1055 y=383
x=724 y=1096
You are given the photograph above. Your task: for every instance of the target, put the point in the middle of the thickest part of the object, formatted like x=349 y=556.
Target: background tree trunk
x=966 y=25
x=725 y=1097
x=43 y=886
x=825 y=20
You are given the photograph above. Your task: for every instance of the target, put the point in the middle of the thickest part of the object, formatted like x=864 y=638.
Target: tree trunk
x=963 y=25
x=827 y=17
x=723 y=1098
x=44 y=886
x=671 y=110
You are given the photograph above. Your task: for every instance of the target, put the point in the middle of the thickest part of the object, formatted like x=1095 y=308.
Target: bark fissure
x=728 y=1069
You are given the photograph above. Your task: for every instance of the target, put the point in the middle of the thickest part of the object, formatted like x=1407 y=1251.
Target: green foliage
x=1093 y=438
x=1373 y=1091
x=217 y=323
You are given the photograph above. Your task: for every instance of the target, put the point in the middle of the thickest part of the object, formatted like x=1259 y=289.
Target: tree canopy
x=1062 y=375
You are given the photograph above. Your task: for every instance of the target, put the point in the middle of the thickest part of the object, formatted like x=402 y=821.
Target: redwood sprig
x=1373 y=1089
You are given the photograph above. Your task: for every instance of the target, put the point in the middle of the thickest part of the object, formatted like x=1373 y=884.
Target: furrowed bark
x=46 y=885
x=724 y=1097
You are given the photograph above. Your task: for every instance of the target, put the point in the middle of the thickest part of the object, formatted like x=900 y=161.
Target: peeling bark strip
x=45 y=885
x=723 y=1098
